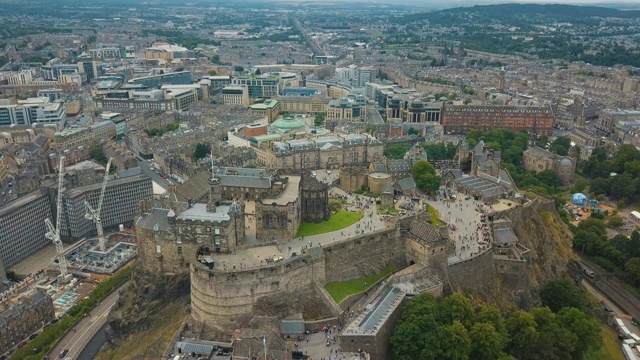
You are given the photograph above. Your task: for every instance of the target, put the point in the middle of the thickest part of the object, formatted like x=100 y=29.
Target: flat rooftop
x=289 y=195
x=376 y=313
x=199 y=212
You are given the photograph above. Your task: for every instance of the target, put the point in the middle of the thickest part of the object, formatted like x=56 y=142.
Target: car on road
x=313 y=173
x=63 y=353
x=21 y=344
x=33 y=336
x=328 y=172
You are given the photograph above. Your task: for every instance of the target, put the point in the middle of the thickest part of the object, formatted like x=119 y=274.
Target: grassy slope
x=149 y=343
x=611 y=350
x=341 y=289
x=337 y=221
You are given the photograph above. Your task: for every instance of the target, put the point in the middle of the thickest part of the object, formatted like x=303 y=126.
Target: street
x=86 y=328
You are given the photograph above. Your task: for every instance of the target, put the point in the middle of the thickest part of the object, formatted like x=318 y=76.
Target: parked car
x=33 y=336
x=63 y=353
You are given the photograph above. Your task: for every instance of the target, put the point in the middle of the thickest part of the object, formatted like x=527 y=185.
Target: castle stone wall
x=225 y=298
x=346 y=260
x=474 y=272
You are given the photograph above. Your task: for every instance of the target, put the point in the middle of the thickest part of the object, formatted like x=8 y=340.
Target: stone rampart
x=231 y=297
x=227 y=298
x=473 y=272
x=364 y=255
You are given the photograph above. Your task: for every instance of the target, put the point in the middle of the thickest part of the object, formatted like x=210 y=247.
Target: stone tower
x=501 y=81
x=215 y=191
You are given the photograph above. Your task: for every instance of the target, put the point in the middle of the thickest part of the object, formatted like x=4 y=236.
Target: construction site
x=88 y=258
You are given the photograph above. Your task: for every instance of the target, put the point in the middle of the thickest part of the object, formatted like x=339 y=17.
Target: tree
x=487 y=342
x=202 y=151
x=213 y=73
x=238 y=68
x=422 y=167
x=523 y=334
x=319 y=120
x=558 y=294
x=586 y=330
x=460 y=308
x=412 y=131
x=97 y=155
x=492 y=315
x=424 y=174
x=542 y=141
x=615 y=222
x=396 y=151
x=459 y=342
x=632 y=266
x=258 y=72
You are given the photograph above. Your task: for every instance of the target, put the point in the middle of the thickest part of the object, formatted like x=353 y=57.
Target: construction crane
x=94 y=214
x=53 y=233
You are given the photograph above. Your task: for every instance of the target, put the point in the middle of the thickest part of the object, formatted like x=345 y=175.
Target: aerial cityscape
x=319 y=180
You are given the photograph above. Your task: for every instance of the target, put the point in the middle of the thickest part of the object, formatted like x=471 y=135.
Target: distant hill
x=526 y=14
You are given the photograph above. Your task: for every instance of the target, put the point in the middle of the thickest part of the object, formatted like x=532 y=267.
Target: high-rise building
x=155 y=81
x=260 y=86
x=121 y=201
x=365 y=75
x=22 y=226
x=34 y=110
x=107 y=51
x=51 y=94
x=53 y=72
x=235 y=95
x=351 y=108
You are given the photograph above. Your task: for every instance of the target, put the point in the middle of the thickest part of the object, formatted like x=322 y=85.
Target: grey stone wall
x=364 y=255
x=474 y=272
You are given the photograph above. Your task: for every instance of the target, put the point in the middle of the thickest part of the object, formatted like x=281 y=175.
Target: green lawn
x=435 y=216
x=337 y=221
x=610 y=350
x=387 y=211
x=339 y=290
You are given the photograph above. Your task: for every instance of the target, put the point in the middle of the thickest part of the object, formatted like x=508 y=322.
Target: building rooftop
x=375 y=314
x=289 y=195
x=198 y=212
x=271 y=104
x=158 y=217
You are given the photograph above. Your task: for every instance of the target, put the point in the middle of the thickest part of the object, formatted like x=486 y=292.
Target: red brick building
x=459 y=119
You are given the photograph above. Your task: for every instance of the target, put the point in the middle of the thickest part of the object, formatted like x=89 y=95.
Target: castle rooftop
x=289 y=195
x=198 y=212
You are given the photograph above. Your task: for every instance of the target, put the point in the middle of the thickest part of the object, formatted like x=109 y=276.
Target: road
x=373 y=116
x=85 y=330
x=610 y=286
x=145 y=166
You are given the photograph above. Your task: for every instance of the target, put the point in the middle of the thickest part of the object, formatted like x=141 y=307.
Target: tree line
x=454 y=329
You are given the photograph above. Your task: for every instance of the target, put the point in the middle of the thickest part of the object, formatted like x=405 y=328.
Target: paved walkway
x=283 y=249
x=466 y=222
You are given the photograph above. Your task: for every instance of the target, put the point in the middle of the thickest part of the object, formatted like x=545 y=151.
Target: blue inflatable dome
x=579 y=199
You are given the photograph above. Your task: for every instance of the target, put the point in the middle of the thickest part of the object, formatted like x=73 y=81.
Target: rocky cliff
x=143 y=301
x=540 y=229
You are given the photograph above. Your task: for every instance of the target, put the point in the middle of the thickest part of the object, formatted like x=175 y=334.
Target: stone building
x=27 y=315
x=353 y=178
x=171 y=235
x=247 y=183
x=315 y=199
x=278 y=215
x=322 y=152
x=538 y=160
x=459 y=119
x=349 y=108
